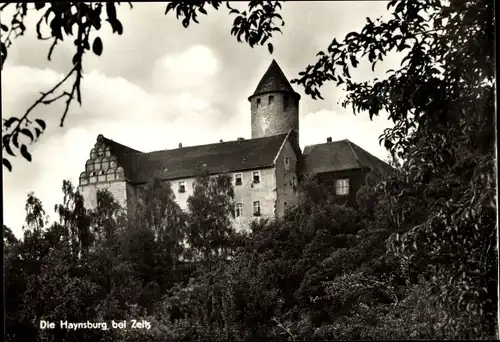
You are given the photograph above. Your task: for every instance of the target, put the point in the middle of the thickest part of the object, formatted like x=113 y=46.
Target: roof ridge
x=369 y=155
x=353 y=152
x=274 y=80
x=107 y=140
x=324 y=143
x=216 y=143
x=219 y=157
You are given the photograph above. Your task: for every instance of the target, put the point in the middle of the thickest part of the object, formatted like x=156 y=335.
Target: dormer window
x=271 y=99
x=182 y=186
x=258 y=102
x=238 y=179
x=256 y=177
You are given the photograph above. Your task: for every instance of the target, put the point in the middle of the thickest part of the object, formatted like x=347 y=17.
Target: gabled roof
x=274 y=80
x=341 y=155
x=123 y=154
x=215 y=158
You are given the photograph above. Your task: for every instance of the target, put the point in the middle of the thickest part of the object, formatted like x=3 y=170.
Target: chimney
x=329 y=139
x=221 y=140
x=180 y=145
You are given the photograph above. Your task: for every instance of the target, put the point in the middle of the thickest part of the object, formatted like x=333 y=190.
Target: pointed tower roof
x=274 y=80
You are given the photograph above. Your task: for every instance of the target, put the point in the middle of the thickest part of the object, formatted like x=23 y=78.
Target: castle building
x=265 y=169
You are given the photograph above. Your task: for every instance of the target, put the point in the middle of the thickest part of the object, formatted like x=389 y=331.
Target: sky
x=159 y=84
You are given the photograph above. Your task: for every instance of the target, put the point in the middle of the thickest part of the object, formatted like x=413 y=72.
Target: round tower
x=274 y=105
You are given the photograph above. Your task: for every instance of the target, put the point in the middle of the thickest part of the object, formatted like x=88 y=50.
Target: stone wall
x=247 y=193
x=117 y=188
x=272 y=118
x=286 y=179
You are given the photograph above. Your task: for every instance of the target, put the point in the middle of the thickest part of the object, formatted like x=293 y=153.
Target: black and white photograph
x=249 y=170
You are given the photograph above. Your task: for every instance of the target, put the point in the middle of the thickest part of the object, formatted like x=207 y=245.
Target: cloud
x=113 y=106
x=186 y=69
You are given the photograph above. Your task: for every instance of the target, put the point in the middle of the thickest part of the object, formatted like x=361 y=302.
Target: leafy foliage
x=441 y=202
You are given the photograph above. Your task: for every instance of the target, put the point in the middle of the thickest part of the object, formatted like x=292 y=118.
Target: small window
x=342 y=186
x=287 y=160
x=239 y=209
x=285 y=103
x=256 y=177
x=271 y=99
x=258 y=102
x=294 y=181
x=238 y=179
x=182 y=186
x=284 y=205
x=256 y=208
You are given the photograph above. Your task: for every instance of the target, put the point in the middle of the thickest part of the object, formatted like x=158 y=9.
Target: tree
x=210 y=234
x=82 y=22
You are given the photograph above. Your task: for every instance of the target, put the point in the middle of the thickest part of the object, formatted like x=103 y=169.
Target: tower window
x=285 y=103
x=239 y=209
x=256 y=176
x=258 y=102
x=342 y=186
x=238 y=179
x=182 y=186
x=256 y=208
x=271 y=99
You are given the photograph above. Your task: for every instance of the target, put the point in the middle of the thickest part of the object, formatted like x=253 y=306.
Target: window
x=256 y=177
x=271 y=99
x=258 y=102
x=285 y=103
x=342 y=186
x=284 y=205
x=287 y=164
x=256 y=208
x=239 y=209
x=182 y=186
x=238 y=179
x=294 y=181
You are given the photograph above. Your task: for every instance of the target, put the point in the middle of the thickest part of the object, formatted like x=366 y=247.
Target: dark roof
x=341 y=155
x=215 y=158
x=274 y=80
